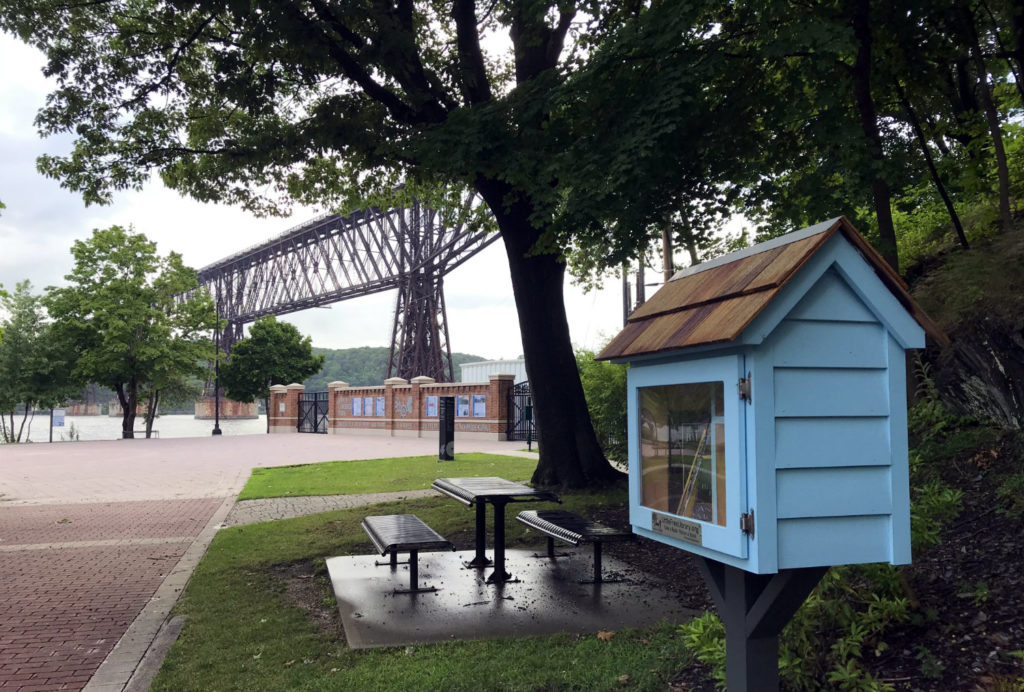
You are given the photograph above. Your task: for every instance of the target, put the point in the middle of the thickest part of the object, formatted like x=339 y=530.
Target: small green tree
x=274 y=352
x=604 y=385
x=123 y=312
x=35 y=367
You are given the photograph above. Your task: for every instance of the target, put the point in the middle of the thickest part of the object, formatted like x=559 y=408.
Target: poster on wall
x=357 y=406
x=462 y=406
x=380 y=406
x=368 y=406
x=431 y=407
x=479 y=405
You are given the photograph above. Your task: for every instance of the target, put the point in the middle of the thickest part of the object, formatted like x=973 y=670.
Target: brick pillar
x=389 y=402
x=497 y=401
x=291 y=406
x=277 y=422
x=418 y=409
x=334 y=408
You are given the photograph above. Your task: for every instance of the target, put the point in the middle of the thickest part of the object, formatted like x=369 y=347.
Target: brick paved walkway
x=90 y=530
x=74 y=577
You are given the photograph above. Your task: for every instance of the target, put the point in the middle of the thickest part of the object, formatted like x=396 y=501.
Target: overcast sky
x=42 y=220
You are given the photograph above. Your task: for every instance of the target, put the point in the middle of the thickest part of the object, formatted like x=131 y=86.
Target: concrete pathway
x=98 y=539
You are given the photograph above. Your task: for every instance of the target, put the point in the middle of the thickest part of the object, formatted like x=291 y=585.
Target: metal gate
x=521 y=421
x=313 y=412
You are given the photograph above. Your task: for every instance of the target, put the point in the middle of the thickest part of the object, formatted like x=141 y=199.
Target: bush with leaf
x=604 y=385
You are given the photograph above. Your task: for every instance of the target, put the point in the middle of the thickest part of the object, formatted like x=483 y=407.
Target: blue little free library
x=767 y=405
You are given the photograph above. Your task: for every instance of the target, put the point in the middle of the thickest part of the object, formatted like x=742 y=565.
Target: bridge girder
x=333 y=258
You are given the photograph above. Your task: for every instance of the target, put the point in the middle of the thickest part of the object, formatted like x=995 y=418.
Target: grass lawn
x=243 y=633
x=378 y=475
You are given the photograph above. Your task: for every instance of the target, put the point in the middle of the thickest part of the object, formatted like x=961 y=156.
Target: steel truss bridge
x=333 y=258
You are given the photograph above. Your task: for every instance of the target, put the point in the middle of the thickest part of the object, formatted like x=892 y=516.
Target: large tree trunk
x=21 y=430
x=128 y=395
x=861 y=75
x=151 y=406
x=570 y=455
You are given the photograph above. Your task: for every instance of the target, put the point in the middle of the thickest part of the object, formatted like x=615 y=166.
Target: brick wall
x=283 y=416
x=82 y=409
x=401 y=407
x=229 y=409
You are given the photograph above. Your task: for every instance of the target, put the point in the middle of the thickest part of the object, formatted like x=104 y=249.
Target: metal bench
x=573 y=529
x=395 y=533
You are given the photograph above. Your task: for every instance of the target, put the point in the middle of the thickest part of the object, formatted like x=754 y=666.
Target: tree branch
x=144 y=91
x=538 y=46
x=472 y=74
x=351 y=68
x=430 y=109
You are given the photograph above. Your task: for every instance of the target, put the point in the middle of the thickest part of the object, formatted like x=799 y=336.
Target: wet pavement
x=546 y=598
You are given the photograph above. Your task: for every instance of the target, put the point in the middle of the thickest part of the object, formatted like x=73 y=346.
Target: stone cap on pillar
x=395 y=380
x=296 y=385
x=423 y=379
x=501 y=377
x=337 y=384
x=278 y=388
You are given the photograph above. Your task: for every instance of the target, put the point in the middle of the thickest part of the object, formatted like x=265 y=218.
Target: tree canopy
x=122 y=310
x=586 y=127
x=35 y=365
x=273 y=353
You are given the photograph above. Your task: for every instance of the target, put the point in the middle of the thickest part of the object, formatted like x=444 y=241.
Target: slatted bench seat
x=573 y=529
x=395 y=533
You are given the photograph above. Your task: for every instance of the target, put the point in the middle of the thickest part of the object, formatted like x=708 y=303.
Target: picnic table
x=497 y=492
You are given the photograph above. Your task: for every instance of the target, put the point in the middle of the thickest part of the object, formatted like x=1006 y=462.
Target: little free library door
x=687 y=463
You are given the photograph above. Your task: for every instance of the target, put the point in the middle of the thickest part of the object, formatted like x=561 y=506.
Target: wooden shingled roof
x=713 y=302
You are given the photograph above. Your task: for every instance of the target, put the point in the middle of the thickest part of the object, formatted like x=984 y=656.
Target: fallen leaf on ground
x=605 y=635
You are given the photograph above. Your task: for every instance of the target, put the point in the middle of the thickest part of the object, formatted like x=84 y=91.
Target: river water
x=107 y=428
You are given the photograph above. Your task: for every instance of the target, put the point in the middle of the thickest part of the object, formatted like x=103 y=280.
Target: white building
x=481 y=370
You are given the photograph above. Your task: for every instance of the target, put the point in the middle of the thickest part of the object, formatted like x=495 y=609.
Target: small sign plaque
x=675 y=527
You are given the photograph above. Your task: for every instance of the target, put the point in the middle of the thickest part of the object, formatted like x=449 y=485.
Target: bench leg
x=598 y=578
x=393 y=562
x=551 y=554
x=414 y=576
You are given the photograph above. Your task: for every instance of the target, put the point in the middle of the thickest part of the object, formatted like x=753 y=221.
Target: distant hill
x=362 y=366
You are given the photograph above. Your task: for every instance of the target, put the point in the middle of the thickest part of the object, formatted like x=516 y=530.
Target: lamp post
x=216 y=369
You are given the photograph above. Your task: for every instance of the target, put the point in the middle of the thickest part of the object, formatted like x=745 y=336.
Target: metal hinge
x=744 y=387
x=747 y=523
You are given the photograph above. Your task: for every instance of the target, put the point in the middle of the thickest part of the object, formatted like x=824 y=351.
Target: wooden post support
x=755 y=608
